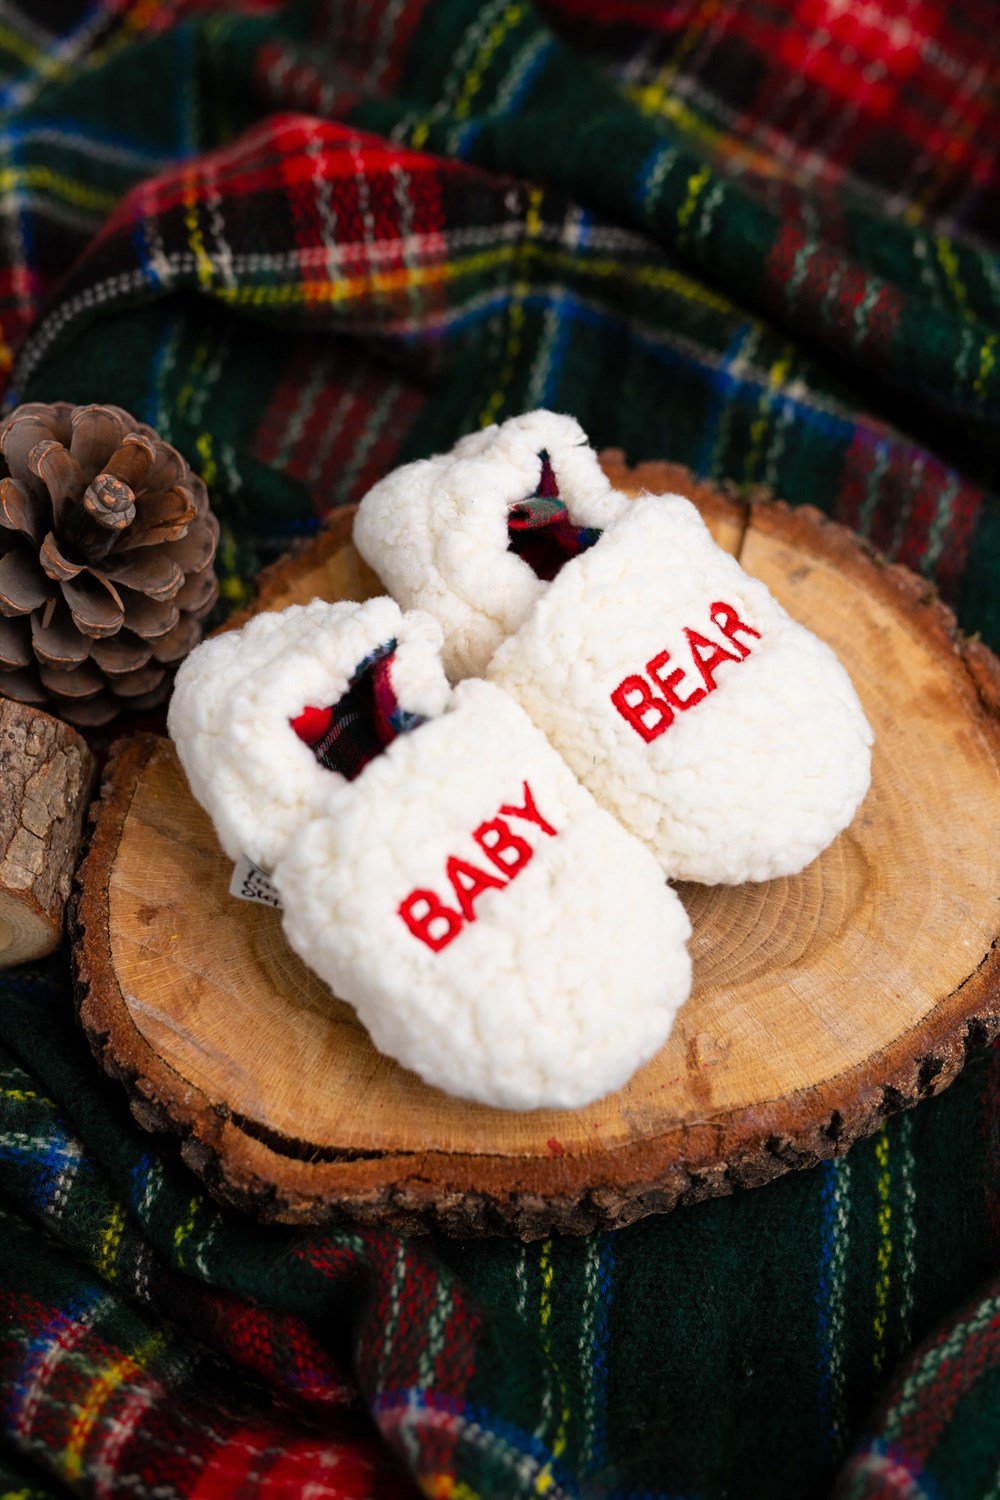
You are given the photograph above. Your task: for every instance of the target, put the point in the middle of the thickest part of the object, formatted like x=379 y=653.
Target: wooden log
x=822 y=1003
x=46 y=772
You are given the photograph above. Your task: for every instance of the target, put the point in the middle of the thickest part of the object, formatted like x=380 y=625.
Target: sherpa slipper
x=719 y=731
x=495 y=930
x=236 y=695
x=473 y=535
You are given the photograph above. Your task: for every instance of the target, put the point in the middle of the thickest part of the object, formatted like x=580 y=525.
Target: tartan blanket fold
x=308 y=240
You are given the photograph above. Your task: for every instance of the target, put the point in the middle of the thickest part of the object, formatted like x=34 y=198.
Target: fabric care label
x=251 y=883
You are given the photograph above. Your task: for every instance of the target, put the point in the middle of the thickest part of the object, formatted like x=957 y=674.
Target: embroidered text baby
x=427 y=916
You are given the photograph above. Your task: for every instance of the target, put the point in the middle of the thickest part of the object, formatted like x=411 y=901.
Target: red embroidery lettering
x=529 y=812
x=650 y=715
x=707 y=664
x=436 y=924
x=731 y=625
x=468 y=882
x=426 y=924
x=668 y=685
x=508 y=851
x=635 y=712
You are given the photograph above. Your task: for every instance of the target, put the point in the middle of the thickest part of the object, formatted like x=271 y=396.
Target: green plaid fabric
x=311 y=240
x=157 y=1344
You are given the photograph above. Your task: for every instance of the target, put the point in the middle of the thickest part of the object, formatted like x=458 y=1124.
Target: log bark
x=822 y=1003
x=45 y=777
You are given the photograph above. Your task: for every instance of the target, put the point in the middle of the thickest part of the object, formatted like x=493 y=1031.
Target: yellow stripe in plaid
x=548 y=258
x=474 y=78
x=102 y=1388
x=110 y=1241
x=545 y=1480
x=883 y=1259
x=776 y=377
x=445 y=1487
x=184 y=1229
x=949 y=264
x=532 y=226
x=78 y=193
x=25 y=1096
x=18 y=46
x=695 y=187
x=987 y=359
x=195 y=238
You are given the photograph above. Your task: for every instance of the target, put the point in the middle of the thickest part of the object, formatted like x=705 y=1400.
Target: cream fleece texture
x=751 y=781
x=436 y=531
x=757 y=752
x=496 y=931
x=568 y=978
x=235 y=694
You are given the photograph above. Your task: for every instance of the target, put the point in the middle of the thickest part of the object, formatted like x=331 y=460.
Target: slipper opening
x=540 y=531
x=347 y=735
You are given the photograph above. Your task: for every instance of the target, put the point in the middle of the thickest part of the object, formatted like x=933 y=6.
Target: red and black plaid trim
x=350 y=733
x=540 y=531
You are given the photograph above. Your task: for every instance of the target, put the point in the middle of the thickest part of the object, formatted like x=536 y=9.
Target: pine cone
x=106 y=552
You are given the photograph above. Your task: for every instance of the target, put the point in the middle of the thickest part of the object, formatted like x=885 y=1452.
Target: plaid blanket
x=311 y=240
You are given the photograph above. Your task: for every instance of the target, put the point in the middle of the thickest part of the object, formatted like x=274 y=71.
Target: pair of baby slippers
x=470 y=801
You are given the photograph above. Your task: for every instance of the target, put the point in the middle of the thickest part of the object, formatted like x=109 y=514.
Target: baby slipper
x=495 y=930
x=723 y=734
x=252 y=769
x=474 y=535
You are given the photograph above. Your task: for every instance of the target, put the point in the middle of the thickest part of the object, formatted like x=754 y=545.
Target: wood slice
x=45 y=777
x=822 y=1003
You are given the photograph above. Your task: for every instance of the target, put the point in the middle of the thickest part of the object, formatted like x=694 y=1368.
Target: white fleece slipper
x=236 y=695
x=724 y=735
x=448 y=534
x=495 y=930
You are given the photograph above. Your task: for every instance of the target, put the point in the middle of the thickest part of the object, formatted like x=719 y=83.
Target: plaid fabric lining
x=360 y=725
x=540 y=531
